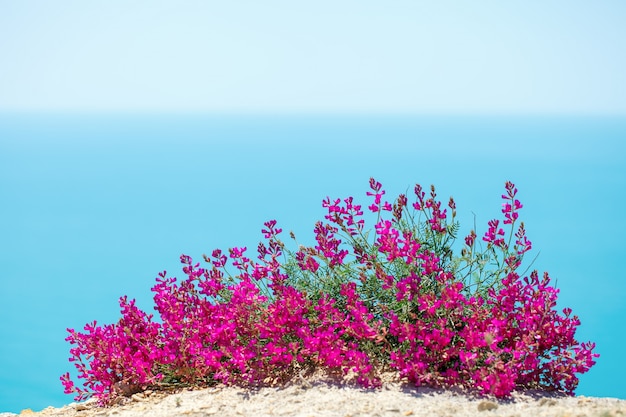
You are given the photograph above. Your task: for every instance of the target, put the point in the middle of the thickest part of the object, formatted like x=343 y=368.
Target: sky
x=132 y=132
x=401 y=56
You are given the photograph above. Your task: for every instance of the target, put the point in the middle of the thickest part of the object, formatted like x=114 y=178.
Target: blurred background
x=132 y=133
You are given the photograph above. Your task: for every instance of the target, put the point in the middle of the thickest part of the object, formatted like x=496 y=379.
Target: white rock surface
x=326 y=400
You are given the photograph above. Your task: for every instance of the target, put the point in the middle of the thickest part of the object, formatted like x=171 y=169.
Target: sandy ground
x=319 y=399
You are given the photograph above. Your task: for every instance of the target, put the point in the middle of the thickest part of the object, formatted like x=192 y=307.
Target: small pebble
x=139 y=398
x=487 y=406
x=547 y=401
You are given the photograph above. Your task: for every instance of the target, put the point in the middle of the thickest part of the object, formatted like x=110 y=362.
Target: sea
x=94 y=206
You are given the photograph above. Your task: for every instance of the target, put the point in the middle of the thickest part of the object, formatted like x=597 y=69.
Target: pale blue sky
x=316 y=56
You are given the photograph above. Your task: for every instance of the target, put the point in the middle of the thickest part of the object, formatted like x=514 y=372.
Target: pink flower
x=396 y=296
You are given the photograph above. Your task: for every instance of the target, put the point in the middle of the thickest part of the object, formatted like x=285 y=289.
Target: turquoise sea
x=93 y=207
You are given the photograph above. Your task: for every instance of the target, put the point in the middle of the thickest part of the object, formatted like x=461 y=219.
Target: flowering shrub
x=358 y=302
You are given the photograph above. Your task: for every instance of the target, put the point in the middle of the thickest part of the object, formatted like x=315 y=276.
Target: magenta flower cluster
x=357 y=303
